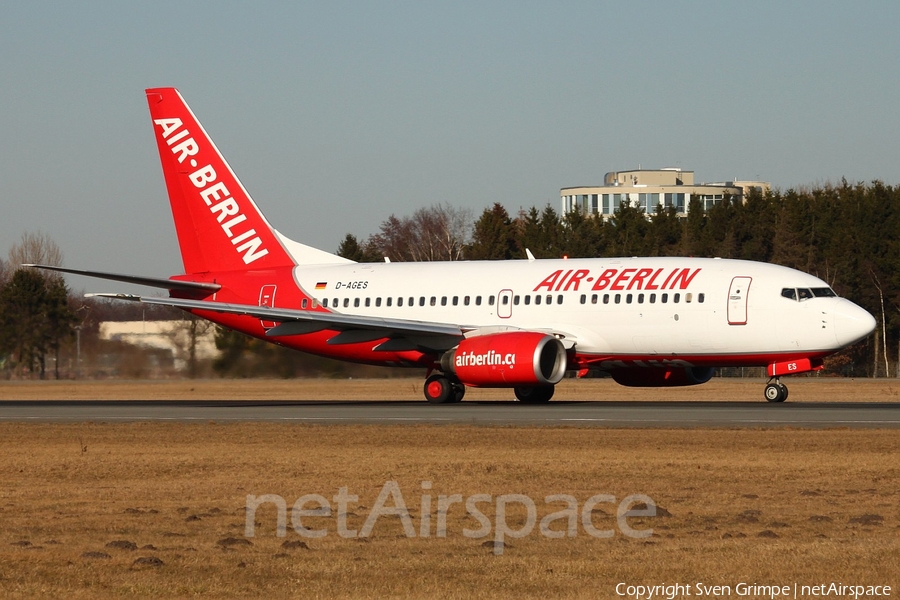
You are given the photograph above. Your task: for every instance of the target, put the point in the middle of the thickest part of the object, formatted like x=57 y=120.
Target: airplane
x=520 y=324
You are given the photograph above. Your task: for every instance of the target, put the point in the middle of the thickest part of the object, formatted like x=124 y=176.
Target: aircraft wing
x=404 y=334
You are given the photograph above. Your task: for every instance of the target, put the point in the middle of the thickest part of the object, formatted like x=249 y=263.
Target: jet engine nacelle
x=662 y=377
x=509 y=359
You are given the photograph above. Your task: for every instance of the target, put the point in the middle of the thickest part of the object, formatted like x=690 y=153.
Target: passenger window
x=325 y=302
x=455 y=300
x=665 y=298
x=559 y=299
x=537 y=299
x=314 y=303
x=466 y=300
x=346 y=302
x=549 y=299
x=490 y=300
x=628 y=298
x=527 y=299
x=303 y=303
x=477 y=300
x=583 y=299
x=400 y=301
x=443 y=300
x=516 y=300
x=701 y=297
x=618 y=298
x=640 y=298
x=422 y=300
x=412 y=301
x=356 y=303
x=368 y=301
x=505 y=300
x=433 y=301
x=688 y=297
x=377 y=302
x=593 y=298
x=652 y=298
x=388 y=300
x=676 y=298
x=605 y=298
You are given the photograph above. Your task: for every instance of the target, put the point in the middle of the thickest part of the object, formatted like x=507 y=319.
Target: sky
x=336 y=115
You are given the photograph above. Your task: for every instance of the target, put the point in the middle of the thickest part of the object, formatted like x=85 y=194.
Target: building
x=649 y=188
x=173 y=336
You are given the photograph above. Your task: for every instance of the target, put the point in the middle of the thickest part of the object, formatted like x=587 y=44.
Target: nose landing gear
x=776 y=391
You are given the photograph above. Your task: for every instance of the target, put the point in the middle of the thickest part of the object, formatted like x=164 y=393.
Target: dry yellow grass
x=177 y=490
x=803 y=389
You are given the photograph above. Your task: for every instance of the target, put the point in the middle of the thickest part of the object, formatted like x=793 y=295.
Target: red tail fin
x=219 y=226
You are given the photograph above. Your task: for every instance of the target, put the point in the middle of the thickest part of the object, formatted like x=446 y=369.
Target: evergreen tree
x=494 y=237
x=34 y=318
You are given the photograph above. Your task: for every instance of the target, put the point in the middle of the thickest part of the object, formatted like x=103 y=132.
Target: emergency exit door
x=267 y=299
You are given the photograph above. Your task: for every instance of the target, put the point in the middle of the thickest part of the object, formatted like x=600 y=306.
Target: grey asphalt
x=578 y=414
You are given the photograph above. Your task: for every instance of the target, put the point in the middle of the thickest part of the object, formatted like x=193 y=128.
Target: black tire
x=438 y=389
x=775 y=392
x=459 y=390
x=537 y=394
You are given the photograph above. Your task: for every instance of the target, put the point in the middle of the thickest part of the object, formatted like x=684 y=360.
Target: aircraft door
x=737 y=300
x=504 y=304
x=267 y=299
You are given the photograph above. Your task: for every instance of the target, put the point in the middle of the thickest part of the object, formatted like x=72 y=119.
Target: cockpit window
x=801 y=294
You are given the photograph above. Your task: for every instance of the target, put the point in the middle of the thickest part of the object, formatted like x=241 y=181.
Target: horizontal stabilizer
x=158 y=282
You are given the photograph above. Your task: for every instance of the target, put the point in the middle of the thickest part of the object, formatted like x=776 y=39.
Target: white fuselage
x=703 y=310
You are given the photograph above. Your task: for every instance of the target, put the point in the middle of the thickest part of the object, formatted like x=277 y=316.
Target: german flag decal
x=321 y=285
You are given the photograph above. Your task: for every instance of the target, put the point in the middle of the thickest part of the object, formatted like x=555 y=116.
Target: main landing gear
x=776 y=391
x=444 y=389
x=440 y=389
x=538 y=394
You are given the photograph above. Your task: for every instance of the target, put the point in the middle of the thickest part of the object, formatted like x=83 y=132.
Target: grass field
x=149 y=509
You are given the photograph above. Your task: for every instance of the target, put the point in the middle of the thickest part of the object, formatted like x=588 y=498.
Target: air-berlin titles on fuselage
x=214 y=194
x=619 y=279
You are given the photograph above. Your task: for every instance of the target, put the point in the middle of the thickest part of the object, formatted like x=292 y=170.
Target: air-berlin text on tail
x=619 y=279
x=214 y=194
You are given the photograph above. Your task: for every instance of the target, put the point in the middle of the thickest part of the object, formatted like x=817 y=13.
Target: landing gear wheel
x=776 y=392
x=459 y=390
x=538 y=394
x=438 y=389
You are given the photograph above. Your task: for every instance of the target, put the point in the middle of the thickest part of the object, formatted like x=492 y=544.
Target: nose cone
x=851 y=323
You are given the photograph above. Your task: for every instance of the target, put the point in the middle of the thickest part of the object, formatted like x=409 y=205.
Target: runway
x=576 y=414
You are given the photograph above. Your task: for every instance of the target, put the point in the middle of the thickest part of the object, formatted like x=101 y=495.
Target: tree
x=351 y=249
x=35 y=316
x=436 y=233
x=494 y=237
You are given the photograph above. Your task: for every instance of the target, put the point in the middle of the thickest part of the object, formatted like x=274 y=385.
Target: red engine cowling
x=662 y=377
x=517 y=358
